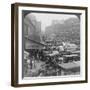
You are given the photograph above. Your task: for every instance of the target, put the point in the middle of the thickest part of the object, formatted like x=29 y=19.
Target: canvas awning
x=70 y=65
x=72 y=55
x=53 y=53
x=75 y=52
x=32 y=44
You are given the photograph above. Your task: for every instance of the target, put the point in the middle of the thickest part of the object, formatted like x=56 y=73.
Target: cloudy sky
x=46 y=19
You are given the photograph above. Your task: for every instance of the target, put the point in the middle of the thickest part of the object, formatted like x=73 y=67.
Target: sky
x=47 y=18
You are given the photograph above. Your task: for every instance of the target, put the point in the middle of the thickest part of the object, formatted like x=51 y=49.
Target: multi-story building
x=32 y=32
x=69 y=30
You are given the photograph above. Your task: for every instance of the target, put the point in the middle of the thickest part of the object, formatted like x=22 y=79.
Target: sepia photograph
x=49 y=44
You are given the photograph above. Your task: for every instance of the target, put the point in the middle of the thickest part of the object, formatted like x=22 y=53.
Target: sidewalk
x=35 y=69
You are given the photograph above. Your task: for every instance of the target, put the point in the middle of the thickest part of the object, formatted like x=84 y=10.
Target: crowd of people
x=48 y=59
